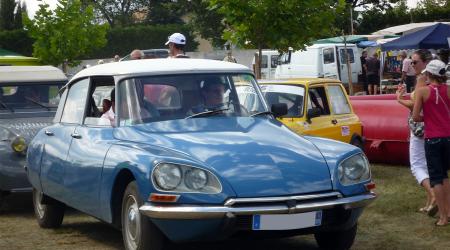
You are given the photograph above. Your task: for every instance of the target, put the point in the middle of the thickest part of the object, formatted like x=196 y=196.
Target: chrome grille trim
x=235 y=201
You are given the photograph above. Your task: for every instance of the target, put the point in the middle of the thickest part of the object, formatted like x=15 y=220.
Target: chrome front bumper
x=159 y=211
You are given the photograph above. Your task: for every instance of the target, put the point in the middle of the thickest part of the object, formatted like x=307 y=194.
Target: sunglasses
x=414 y=62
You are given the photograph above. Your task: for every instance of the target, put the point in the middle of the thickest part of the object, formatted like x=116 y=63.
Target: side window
x=328 y=56
x=264 y=62
x=351 y=56
x=318 y=99
x=338 y=100
x=273 y=61
x=75 y=103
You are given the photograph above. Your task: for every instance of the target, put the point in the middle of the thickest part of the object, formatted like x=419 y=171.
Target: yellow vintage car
x=316 y=106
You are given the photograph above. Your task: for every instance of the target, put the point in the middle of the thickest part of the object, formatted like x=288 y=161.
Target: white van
x=320 y=60
x=269 y=62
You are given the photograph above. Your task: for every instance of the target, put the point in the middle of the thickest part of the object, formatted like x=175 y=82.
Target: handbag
x=417 y=128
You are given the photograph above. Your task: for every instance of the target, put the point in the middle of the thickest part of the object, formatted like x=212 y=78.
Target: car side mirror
x=279 y=109
x=313 y=112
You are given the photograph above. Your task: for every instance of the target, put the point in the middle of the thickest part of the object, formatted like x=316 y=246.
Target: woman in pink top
x=434 y=102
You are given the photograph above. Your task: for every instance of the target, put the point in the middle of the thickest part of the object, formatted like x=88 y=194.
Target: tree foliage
x=118 y=12
x=7 y=8
x=64 y=34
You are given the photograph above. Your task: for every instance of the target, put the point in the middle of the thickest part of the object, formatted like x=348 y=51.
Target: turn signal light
x=370 y=186
x=163 y=197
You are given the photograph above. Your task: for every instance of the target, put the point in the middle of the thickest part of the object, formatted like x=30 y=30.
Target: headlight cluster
x=182 y=178
x=354 y=169
x=18 y=143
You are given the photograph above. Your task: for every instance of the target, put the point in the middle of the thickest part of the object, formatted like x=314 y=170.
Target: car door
x=59 y=137
x=343 y=68
x=323 y=125
x=91 y=140
x=330 y=69
x=347 y=122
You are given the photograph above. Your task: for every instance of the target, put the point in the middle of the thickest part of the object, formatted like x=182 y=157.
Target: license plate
x=287 y=221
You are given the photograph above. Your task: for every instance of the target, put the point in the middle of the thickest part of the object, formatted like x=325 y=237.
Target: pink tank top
x=436 y=112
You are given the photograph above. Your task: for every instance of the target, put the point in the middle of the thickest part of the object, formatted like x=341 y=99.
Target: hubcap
x=38 y=205
x=132 y=223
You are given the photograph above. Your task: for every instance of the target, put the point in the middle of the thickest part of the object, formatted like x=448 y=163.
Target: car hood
x=256 y=156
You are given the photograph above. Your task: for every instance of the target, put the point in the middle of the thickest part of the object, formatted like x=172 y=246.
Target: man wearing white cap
x=176 y=43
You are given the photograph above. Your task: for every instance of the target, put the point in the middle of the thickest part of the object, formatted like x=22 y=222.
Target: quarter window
x=351 y=56
x=338 y=100
x=273 y=61
x=263 y=62
x=318 y=99
x=75 y=103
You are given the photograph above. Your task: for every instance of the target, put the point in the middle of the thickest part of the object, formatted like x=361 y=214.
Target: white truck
x=269 y=62
x=321 y=60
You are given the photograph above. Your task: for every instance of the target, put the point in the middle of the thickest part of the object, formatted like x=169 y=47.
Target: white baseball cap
x=435 y=67
x=177 y=38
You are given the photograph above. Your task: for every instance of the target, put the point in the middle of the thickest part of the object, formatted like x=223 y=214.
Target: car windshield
x=29 y=96
x=293 y=96
x=159 y=98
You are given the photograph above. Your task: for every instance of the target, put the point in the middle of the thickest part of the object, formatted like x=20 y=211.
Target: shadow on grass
x=18 y=204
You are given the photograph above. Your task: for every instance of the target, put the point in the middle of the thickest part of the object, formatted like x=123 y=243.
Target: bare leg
x=370 y=88
x=442 y=203
x=375 y=89
x=447 y=195
x=430 y=194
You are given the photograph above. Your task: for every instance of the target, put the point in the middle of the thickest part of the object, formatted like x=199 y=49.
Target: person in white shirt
x=110 y=115
x=408 y=72
x=176 y=43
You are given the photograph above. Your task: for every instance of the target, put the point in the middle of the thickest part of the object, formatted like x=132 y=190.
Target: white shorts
x=417 y=158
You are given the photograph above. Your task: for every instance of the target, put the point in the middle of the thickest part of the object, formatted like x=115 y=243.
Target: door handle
x=76 y=135
x=334 y=121
x=49 y=133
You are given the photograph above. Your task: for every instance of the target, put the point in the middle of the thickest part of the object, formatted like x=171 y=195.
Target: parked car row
x=194 y=150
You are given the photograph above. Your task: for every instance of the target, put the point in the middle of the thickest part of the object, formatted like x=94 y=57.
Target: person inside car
x=212 y=93
x=136 y=54
x=109 y=114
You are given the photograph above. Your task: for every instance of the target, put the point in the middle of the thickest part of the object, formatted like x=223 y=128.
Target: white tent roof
x=405 y=28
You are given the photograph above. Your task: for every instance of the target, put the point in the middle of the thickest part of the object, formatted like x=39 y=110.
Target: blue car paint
x=334 y=153
x=241 y=151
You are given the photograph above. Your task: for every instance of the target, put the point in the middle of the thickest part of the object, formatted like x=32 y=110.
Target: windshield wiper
x=37 y=103
x=262 y=113
x=6 y=106
x=207 y=113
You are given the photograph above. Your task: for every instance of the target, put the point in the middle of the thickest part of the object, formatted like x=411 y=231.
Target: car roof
x=31 y=74
x=160 y=66
x=298 y=81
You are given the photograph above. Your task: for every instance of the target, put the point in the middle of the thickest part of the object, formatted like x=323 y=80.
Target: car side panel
x=82 y=176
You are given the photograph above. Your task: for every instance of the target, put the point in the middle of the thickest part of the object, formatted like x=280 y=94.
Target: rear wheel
x=337 y=240
x=137 y=230
x=48 y=215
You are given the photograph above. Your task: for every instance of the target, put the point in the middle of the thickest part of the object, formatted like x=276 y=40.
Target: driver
x=212 y=93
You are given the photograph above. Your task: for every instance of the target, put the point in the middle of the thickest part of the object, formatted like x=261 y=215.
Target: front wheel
x=138 y=231
x=339 y=240
x=48 y=215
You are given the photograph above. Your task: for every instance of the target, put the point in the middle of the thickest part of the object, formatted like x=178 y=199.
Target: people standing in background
x=116 y=58
x=363 y=75
x=176 y=43
x=373 y=73
x=434 y=102
x=136 y=54
x=230 y=57
x=408 y=72
x=416 y=142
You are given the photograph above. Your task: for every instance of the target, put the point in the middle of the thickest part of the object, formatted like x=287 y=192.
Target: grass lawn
x=393 y=220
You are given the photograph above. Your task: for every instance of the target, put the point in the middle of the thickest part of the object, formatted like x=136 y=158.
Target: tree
x=118 y=12
x=18 y=23
x=207 y=22
x=7 y=8
x=278 y=24
x=64 y=34
x=165 y=12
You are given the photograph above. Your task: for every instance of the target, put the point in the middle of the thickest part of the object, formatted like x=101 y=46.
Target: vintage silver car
x=28 y=101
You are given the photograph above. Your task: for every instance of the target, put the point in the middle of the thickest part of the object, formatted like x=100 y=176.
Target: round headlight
x=18 y=144
x=354 y=170
x=167 y=176
x=196 y=178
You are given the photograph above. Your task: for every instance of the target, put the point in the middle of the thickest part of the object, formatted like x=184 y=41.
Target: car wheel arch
x=123 y=178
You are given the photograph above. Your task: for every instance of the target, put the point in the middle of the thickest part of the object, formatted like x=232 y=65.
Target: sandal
x=432 y=210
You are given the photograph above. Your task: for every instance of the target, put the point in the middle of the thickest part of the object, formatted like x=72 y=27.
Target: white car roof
x=160 y=66
x=29 y=74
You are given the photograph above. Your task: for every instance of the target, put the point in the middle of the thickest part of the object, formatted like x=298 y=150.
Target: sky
x=32 y=5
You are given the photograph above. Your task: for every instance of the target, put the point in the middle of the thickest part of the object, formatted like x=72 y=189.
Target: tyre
x=337 y=240
x=48 y=215
x=138 y=231
x=358 y=143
